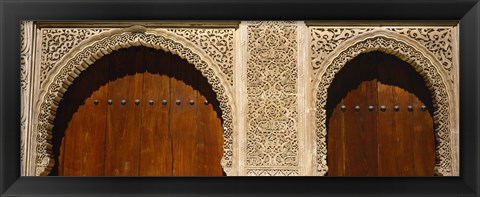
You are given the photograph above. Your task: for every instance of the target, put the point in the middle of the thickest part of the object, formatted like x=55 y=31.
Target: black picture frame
x=467 y=12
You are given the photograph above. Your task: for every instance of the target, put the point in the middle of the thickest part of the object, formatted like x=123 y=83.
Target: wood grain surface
x=379 y=143
x=139 y=139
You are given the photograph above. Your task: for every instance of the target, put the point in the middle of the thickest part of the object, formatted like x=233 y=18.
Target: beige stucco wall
x=269 y=77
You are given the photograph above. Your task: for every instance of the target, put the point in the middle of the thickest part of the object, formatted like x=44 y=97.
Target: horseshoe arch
x=86 y=53
x=422 y=61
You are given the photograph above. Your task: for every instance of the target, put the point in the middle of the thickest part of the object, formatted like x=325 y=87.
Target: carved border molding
x=425 y=63
x=80 y=57
x=26 y=58
x=272 y=172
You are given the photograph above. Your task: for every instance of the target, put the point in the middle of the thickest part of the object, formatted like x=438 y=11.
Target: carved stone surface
x=26 y=28
x=25 y=51
x=78 y=60
x=217 y=43
x=406 y=52
x=56 y=42
x=325 y=40
x=272 y=96
x=272 y=172
x=436 y=40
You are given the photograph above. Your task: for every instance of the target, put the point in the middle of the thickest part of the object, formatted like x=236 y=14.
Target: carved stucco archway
x=85 y=54
x=423 y=61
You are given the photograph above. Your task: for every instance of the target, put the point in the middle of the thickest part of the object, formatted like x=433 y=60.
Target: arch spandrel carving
x=416 y=55
x=217 y=43
x=85 y=54
x=58 y=42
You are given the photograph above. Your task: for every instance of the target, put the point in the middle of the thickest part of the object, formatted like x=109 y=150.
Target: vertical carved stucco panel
x=272 y=146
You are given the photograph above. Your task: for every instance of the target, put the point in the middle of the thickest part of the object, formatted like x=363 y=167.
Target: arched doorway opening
x=379 y=119
x=139 y=112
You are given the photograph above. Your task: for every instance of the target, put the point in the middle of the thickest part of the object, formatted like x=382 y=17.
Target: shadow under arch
x=363 y=68
x=172 y=66
x=339 y=89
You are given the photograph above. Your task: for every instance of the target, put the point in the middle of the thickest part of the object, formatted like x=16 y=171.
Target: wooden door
x=139 y=112
x=379 y=114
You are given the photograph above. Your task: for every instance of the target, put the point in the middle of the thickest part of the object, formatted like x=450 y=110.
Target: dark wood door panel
x=75 y=145
x=94 y=156
x=424 y=145
x=352 y=136
x=183 y=121
x=140 y=138
x=336 y=137
x=123 y=121
x=360 y=131
x=407 y=88
x=387 y=139
x=84 y=122
x=156 y=142
x=209 y=131
x=394 y=141
x=395 y=73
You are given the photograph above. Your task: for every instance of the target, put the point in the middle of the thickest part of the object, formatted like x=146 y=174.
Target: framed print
x=147 y=98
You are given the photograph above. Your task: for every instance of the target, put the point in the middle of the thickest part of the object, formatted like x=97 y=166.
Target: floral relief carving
x=56 y=42
x=425 y=68
x=272 y=138
x=217 y=43
x=436 y=40
x=80 y=61
x=325 y=40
